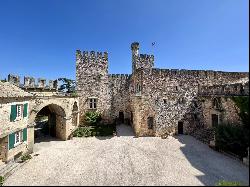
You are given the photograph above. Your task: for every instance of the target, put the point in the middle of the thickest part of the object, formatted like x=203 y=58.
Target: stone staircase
x=7 y=169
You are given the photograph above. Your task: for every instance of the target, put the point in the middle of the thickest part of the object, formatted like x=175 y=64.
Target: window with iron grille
x=18 y=138
x=92 y=103
x=19 y=111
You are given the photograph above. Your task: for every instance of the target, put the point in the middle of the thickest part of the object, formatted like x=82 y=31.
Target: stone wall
x=228 y=112
x=93 y=82
x=120 y=96
x=164 y=96
x=31 y=83
x=169 y=95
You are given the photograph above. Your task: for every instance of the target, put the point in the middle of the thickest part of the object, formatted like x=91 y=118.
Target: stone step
x=8 y=168
x=2 y=165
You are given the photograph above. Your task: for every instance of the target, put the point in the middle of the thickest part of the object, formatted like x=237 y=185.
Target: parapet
x=30 y=82
x=209 y=74
x=237 y=89
x=14 y=79
x=146 y=57
x=135 y=46
x=119 y=76
x=86 y=56
x=41 y=83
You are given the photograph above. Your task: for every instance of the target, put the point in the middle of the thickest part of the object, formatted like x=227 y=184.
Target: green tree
x=3 y=80
x=67 y=85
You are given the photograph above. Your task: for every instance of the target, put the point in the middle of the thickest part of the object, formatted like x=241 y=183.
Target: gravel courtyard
x=126 y=160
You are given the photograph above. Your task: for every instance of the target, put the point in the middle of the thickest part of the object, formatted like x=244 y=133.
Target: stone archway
x=50 y=121
x=66 y=116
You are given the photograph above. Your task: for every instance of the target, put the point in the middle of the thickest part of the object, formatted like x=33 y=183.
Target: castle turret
x=92 y=81
x=135 y=48
x=140 y=60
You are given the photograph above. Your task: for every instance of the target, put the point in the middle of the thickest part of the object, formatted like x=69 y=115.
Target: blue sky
x=39 y=37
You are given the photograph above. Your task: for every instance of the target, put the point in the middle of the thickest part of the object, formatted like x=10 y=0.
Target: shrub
x=97 y=130
x=1 y=180
x=243 y=104
x=83 y=132
x=228 y=183
x=232 y=138
x=92 y=118
x=26 y=157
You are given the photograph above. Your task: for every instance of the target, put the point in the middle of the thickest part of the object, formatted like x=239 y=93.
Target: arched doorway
x=180 y=127
x=121 y=117
x=49 y=123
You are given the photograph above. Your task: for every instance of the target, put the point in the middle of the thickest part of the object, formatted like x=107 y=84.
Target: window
x=138 y=89
x=18 y=138
x=217 y=103
x=150 y=122
x=165 y=101
x=19 y=111
x=92 y=103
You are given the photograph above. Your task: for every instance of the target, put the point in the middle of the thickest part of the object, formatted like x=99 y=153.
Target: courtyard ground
x=126 y=160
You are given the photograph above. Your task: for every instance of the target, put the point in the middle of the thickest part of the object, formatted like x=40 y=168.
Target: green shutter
x=25 y=134
x=13 y=113
x=11 y=140
x=25 y=110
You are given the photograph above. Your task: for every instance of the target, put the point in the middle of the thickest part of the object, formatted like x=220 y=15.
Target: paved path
x=126 y=160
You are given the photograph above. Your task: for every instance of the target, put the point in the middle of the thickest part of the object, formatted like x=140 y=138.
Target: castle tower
x=92 y=82
x=140 y=60
x=135 y=54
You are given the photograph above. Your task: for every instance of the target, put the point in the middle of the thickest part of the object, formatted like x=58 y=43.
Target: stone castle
x=157 y=102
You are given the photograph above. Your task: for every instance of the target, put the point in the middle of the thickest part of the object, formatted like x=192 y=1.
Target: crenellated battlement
x=140 y=60
x=237 y=89
x=199 y=73
x=87 y=56
x=32 y=83
x=121 y=76
x=146 y=57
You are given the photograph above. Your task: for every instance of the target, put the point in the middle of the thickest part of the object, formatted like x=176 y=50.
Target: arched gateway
x=55 y=117
x=50 y=121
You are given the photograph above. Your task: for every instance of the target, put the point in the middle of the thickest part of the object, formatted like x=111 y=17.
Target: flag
x=153 y=43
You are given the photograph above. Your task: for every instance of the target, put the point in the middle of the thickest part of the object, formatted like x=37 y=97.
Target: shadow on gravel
x=124 y=130
x=214 y=165
x=46 y=139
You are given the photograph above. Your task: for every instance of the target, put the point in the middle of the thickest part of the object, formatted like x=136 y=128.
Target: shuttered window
x=18 y=111
x=25 y=110
x=25 y=134
x=11 y=141
x=17 y=138
x=13 y=113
